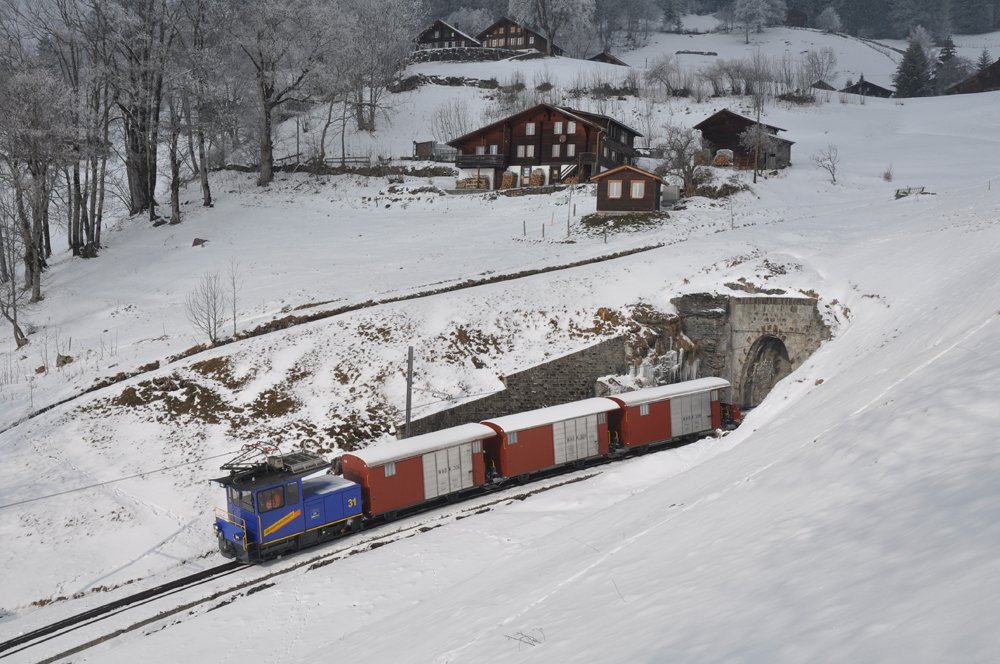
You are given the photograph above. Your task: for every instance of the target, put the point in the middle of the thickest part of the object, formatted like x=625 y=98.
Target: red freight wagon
x=406 y=472
x=659 y=414
x=548 y=437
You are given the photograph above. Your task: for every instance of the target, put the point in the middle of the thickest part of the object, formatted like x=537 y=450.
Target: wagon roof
x=661 y=392
x=542 y=416
x=395 y=450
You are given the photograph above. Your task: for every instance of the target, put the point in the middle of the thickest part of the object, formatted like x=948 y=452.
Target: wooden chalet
x=506 y=33
x=985 y=81
x=823 y=85
x=608 y=58
x=544 y=145
x=867 y=89
x=444 y=35
x=722 y=130
x=628 y=189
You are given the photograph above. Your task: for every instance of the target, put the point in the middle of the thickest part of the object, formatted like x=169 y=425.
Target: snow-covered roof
x=395 y=450
x=540 y=416
x=661 y=392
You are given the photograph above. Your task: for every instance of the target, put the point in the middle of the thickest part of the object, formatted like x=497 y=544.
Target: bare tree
x=828 y=159
x=205 y=306
x=756 y=14
x=663 y=71
x=680 y=146
x=828 y=20
x=820 y=65
x=758 y=140
x=553 y=17
x=12 y=296
x=281 y=40
x=451 y=120
x=379 y=34
x=234 y=280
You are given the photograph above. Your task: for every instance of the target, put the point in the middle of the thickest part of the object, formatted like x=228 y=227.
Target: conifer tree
x=913 y=78
x=984 y=61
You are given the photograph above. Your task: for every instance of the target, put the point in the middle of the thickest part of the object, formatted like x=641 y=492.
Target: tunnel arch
x=767 y=362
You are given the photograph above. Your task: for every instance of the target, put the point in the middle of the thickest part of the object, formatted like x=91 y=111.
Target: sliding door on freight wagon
x=449 y=470
x=577 y=438
x=690 y=413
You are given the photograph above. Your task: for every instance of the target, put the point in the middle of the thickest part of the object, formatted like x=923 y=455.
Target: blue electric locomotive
x=282 y=502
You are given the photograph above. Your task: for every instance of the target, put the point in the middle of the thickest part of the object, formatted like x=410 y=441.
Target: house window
x=638 y=189
x=644 y=409
x=437 y=34
x=614 y=188
x=605 y=152
x=555 y=150
x=480 y=149
x=530 y=150
x=494 y=149
x=571 y=150
x=529 y=129
x=512 y=438
x=390 y=469
x=531 y=40
x=557 y=128
x=571 y=127
x=520 y=152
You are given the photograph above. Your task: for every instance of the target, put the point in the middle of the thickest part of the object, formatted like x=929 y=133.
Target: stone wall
x=728 y=331
x=568 y=378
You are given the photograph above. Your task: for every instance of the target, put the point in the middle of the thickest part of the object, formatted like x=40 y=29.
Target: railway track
x=371 y=538
x=42 y=634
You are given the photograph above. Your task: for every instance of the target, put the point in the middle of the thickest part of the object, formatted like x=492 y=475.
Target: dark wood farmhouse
x=722 y=130
x=606 y=57
x=444 y=35
x=985 y=81
x=628 y=189
x=867 y=89
x=543 y=145
x=506 y=33
x=823 y=85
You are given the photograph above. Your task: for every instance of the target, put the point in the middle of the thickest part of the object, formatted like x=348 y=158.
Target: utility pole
x=409 y=390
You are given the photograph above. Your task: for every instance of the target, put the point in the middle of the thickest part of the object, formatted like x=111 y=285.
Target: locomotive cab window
x=270 y=499
x=292 y=493
x=241 y=499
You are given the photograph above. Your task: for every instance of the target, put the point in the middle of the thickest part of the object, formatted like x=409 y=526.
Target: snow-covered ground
x=853 y=517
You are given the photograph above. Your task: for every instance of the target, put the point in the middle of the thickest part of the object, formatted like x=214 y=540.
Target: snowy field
x=853 y=517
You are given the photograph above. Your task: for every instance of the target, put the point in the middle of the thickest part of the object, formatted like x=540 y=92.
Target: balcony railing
x=481 y=161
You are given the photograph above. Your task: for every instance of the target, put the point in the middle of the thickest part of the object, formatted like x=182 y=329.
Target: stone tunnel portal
x=767 y=363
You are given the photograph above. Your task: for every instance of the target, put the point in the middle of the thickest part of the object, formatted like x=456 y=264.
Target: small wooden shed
x=628 y=189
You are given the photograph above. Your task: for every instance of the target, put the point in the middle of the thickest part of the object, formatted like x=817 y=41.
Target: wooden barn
x=543 y=145
x=722 y=130
x=505 y=33
x=867 y=89
x=444 y=35
x=985 y=81
x=823 y=85
x=628 y=189
x=608 y=58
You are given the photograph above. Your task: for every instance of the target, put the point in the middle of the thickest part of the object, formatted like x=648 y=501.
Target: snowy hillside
x=853 y=516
